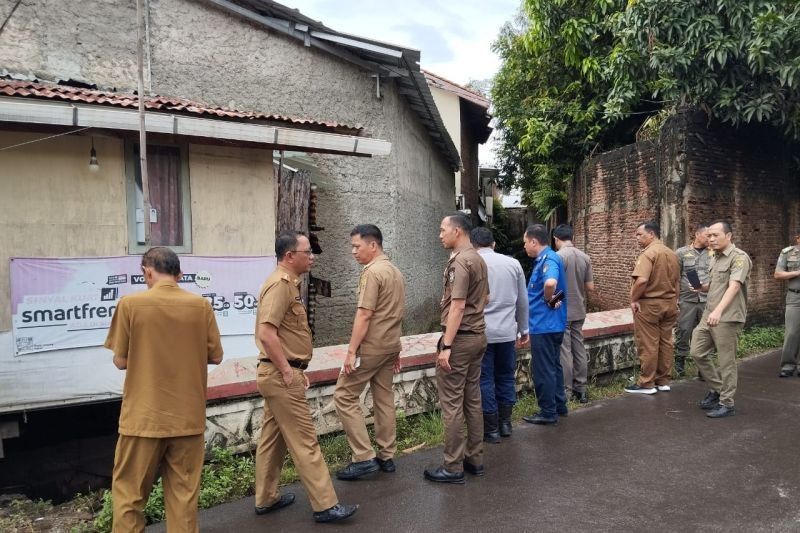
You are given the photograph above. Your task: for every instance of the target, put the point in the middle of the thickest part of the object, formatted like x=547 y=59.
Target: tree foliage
x=584 y=75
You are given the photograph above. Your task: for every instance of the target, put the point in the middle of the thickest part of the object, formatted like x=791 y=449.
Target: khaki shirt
x=382 y=290
x=466 y=277
x=578 y=271
x=732 y=264
x=789 y=261
x=167 y=335
x=660 y=266
x=692 y=259
x=279 y=304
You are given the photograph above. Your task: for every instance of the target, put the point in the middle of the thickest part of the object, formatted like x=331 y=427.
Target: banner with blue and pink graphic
x=59 y=303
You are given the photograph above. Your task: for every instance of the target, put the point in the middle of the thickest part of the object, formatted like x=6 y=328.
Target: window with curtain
x=168 y=197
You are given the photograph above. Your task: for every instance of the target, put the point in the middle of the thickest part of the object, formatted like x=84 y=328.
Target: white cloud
x=454 y=38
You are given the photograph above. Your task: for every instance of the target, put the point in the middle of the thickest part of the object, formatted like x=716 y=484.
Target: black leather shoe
x=337 y=512
x=786 y=373
x=721 y=411
x=710 y=401
x=475 y=470
x=387 y=465
x=285 y=500
x=581 y=397
x=540 y=420
x=563 y=412
x=491 y=433
x=357 y=470
x=442 y=475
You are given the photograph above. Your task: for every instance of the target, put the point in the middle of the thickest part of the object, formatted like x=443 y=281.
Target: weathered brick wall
x=611 y=196
x=694 y=173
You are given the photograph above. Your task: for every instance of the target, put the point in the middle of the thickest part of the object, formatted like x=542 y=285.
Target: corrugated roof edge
x=52 y=91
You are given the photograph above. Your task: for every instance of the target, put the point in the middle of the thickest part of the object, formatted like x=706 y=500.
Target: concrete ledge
x=235 y=408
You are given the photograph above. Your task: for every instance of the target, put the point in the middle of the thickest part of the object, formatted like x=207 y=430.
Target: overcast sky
x=454 y=36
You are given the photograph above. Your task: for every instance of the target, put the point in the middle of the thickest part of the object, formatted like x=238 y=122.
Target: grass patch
x=759 y=339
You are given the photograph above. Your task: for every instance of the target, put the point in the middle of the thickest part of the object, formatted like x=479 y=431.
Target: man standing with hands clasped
x=460 y=350
x=723 y=320
x=654 y=302
x=165 y=337
x=284 y=343
x=788 y=269
x=373 y=356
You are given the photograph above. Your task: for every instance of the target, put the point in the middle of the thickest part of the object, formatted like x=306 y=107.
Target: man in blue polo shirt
x=548 y=320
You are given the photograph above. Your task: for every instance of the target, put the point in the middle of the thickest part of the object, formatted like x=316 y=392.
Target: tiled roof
x=28 y=89
x=434 y=80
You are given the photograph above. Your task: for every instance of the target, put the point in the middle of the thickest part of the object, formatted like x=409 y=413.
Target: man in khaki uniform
x=788 y=269
x=691 y=303
x=654 y=302
x=373 y=356
x=284 y=343
x=723 y=320
x=165 y=337
x=460 y=351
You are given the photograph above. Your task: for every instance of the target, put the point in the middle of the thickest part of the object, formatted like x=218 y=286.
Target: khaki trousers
x=460 y=399
x=652 y=330
x=574 y=362
x=287 y=424
x=378 y=371
x=689 y=315
x=791 y=341
x=724 y=337
x=137 y=461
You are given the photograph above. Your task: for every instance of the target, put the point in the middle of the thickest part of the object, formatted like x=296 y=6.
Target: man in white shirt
x=506 y=315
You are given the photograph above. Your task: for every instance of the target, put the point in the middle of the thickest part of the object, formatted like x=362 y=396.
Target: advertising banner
x=68 y=303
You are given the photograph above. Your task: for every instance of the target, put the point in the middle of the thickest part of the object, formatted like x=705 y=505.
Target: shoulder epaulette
x=286 y=277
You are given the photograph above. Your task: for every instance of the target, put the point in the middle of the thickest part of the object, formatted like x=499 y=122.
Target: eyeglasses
x=307 y=252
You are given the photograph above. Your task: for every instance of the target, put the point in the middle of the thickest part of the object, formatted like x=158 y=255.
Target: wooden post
x=142 y=129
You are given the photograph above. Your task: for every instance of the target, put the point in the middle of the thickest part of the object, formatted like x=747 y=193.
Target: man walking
x=578 y=273
x=506 y=316
x=788 y=269
x=284 y=343
x=548 y=320
x=373 y=356
x=691 y=302
x=654 y=302
x=165 y=337
x=461 y=347
x=722 y=321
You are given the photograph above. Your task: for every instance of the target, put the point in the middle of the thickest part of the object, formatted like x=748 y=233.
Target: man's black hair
x=563 y=232
x=286 y=242
x=481 y=237
x=538 y=232
x=726 y=226
x=460 y=220
x=651 y=226
x=163 y=260
x=368 y=232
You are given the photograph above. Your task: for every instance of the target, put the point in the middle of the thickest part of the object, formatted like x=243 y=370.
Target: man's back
x=507 y=301
x=578 y=271
x=660 y=265
x=168 y=335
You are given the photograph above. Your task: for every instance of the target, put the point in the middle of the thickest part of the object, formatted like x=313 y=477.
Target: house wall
x=695 y=173
x=449 y=106
x=51 y=205
x=245 y=66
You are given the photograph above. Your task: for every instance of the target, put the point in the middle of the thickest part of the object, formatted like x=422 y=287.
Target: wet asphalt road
x=628 y=464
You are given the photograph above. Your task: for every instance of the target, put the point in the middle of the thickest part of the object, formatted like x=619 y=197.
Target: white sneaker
x=663 y=388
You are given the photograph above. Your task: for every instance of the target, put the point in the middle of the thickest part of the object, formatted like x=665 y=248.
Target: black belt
x=292 y=362
x=462 y=332
x=794 y=290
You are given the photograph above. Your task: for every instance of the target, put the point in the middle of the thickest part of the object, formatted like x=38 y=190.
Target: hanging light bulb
x=94 y=166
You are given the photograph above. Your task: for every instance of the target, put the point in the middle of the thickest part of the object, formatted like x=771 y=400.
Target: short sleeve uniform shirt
x=732 y=264
x=789 y=261
x=542 y=319
x=466 y=277
x=279 y=304
x=660 y=266
x=382 y=290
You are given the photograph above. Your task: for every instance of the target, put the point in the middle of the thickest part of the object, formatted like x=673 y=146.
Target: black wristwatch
x=447 y=346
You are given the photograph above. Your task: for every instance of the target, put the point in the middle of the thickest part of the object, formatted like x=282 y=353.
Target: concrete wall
x=51 y=205
x=449 y=106
x=695 y=173
x=202 y=53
